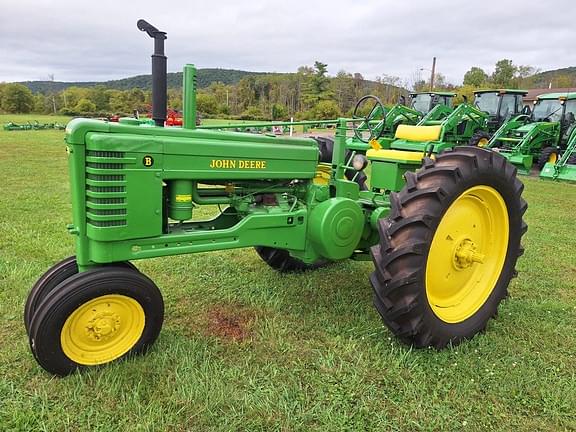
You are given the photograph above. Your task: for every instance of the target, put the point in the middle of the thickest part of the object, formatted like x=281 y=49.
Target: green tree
x=317 y=85
x=206 y=103
x=252 y=113
x=326 y=110
x=85 y=106
x=564 y=81
x=72 y=95
x=279 y=112
x=40 y=105
x=466 y=90
x=475 y=77
x=17 y=98
x=504 y=73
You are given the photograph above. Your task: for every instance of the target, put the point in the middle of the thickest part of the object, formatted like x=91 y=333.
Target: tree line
x=307 y=94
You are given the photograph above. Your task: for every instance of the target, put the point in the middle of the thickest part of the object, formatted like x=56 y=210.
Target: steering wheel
x=362 y=123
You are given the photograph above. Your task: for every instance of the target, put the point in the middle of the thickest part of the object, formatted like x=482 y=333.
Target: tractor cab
x=424 y=101
x=556 y=108
x=500 y=105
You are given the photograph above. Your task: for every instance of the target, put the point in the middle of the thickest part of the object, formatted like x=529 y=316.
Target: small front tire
x=55 y=275
x=94 y=318
x=548 y=155
x=479 y=139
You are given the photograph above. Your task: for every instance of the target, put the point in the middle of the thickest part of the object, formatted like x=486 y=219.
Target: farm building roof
x=566 y=95
x=513 y=91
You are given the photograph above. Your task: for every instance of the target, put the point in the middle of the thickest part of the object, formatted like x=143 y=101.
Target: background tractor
x=388 y=120
x=564 y=168
x=443 y=234
x=423 y=102
x=500 y=105
x=440 y=130
x=540 y=137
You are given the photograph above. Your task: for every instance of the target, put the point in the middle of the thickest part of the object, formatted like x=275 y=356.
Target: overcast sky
x=92 y=41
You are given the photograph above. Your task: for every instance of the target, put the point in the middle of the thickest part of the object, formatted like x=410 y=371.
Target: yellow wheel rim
x=102 y=329
x=483 y=142
x=467 y=254
x=552 y=158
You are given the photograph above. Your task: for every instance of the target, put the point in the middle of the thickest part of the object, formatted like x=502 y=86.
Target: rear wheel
x=55 y=275
x=281 y=260
x=96 y=317
x=479 y=139
x=548 y=155
x=448 y=249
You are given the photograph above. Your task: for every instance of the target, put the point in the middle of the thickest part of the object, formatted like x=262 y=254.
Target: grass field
x=244 y=348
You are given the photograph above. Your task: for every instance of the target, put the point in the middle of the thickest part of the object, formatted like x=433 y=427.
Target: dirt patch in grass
x=226 y=321
x=230 y=322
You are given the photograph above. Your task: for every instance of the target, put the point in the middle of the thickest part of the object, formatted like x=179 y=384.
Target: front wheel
x=548 y=155
x=479 y=139
x=55 y=275
x=96 y=317
x=449 y=248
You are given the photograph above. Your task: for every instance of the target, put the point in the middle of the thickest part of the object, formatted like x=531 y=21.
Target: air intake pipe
x=159 y=79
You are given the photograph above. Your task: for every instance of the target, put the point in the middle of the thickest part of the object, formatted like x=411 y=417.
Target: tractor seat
x=418 y=133
x=397 y=156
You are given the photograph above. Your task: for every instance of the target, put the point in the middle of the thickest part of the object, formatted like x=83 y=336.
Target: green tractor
x=500 y=105
x=564 y=168
x=438 y=131
x=421 y=103
x=539 y=137
x=443 y=233
x=424 y=102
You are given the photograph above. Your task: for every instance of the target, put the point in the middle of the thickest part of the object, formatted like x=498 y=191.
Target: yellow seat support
x=418 y=133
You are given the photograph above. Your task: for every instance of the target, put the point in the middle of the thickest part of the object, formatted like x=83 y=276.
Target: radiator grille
x=105 y=205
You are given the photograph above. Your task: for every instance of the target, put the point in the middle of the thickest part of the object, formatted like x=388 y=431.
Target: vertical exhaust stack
x=159 y=78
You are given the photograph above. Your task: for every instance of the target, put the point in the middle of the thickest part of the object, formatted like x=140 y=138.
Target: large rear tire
x=449 y=247
x=94 y=318
x=281 y=260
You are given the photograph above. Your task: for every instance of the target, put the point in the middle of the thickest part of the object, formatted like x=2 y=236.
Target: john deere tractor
x=500 y=105
x=539 y=137
x=423 y=102
x=439 y=130
x=564 y=167
x=443 y=233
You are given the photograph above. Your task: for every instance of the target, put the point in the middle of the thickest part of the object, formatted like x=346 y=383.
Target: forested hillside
x=308 y=93
x=204 y=78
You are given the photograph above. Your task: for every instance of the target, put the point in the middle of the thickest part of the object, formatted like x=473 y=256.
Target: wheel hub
x=103 y=326
x=465 y=255
x=102 y=329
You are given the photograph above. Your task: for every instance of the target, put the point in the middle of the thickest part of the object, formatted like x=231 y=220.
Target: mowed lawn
x=245 y=348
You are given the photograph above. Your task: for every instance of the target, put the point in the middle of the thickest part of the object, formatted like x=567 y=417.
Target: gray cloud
x=81 y=41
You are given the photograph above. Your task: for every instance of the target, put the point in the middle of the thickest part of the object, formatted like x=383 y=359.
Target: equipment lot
x=245 y=348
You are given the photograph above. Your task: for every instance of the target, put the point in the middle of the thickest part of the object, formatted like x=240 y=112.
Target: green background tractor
x=564 y=168
x=443 y=234
x=541 y=137
x=423 y=102
x=500 y=105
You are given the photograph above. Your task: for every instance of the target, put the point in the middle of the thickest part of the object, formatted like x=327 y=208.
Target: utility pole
x=433 y=73
x=51 y=77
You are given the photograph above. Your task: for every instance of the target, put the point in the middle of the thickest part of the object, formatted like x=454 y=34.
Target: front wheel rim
x=102 y=329
x=467 y=254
